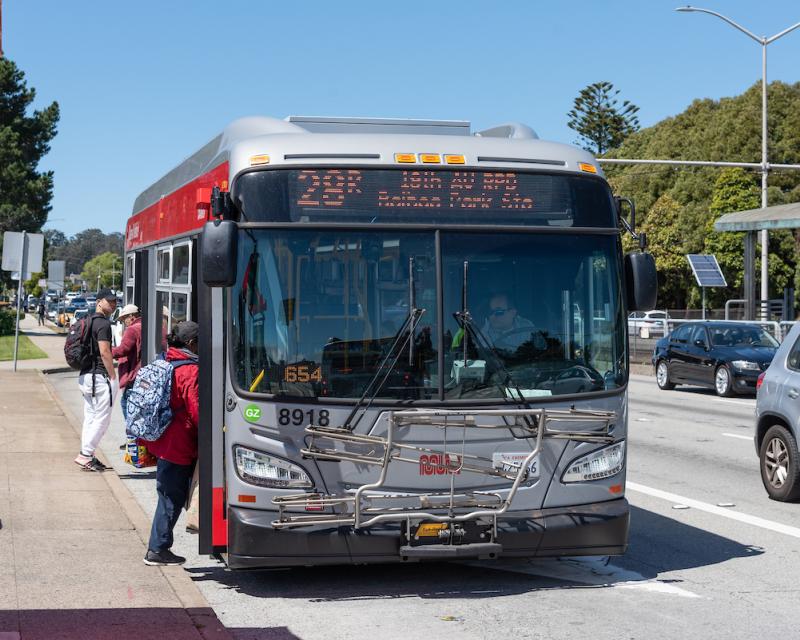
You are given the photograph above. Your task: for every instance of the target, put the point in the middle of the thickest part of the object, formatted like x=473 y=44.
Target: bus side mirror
x=641 y=282
x=218 y=257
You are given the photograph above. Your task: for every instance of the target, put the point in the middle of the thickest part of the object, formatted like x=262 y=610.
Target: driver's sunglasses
x=499 y=311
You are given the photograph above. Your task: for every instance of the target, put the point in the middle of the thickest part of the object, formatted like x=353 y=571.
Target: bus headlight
x=263 y=470
x=603 y=463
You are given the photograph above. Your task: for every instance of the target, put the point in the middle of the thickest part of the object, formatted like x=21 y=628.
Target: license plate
x=430 y=529
x=511 y=461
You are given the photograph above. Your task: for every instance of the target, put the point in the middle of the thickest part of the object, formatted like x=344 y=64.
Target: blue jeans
x=124 y=404
x=172 y=484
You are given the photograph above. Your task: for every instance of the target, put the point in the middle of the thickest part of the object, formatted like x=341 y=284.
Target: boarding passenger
x=129 y=353
x=176 y=449
x=98 y=383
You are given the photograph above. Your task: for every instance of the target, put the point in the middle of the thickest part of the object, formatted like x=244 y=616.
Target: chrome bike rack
x=368 y=505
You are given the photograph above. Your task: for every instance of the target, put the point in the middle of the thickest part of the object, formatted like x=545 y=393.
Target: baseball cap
x=186 y=331
x=128 y=310
x=106 y=294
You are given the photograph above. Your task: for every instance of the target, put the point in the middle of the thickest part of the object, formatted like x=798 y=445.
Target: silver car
x=778 y=421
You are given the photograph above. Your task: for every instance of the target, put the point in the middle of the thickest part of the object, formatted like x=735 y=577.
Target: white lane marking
x=743 y=403
x=736 y=435
x=591 y=570
x=755 y=521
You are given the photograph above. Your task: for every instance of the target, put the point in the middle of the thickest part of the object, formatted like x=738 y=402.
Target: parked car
x=777 y=419
x=648 y=322
x=33 y=304
x=79 y=313
x=79 y=303
x=724 y=356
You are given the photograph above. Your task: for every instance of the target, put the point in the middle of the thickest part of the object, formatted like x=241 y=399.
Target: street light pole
x=763 y=41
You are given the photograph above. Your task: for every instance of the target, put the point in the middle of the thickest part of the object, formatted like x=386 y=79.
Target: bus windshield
x=315 y=313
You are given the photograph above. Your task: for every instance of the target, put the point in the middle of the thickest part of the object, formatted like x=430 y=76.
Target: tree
x=25 y=193
x=82 y=247
x=597 y=119
x=665 y=237
x=108 y=266
x=723 y=130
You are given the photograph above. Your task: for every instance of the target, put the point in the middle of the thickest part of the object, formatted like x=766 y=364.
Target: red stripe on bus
x=175 y=213
x=219 y=523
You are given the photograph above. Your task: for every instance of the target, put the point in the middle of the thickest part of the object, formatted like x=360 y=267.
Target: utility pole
x=1 y=28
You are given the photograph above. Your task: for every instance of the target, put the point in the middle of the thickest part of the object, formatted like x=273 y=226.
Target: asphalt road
x=693 y=569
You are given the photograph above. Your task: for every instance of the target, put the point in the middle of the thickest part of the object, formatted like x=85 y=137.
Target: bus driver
x=504 y=328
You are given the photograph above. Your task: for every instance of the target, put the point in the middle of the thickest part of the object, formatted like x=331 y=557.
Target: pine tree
x=25 y=193
x=597 y=119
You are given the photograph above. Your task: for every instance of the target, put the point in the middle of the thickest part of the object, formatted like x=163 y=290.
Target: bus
x=413 y=339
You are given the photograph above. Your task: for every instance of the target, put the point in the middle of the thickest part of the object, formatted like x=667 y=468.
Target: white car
x=79 y=313
x=648 y=323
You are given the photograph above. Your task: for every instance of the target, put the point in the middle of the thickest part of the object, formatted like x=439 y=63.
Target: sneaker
x=123 y=446
x=90 y=464
x=100 y=465
x=165 y=556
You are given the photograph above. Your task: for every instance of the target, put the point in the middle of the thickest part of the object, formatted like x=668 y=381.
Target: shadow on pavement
x=127 y=624
x=658 y=545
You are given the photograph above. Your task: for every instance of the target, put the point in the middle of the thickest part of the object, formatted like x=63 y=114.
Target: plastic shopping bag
x=137 y=455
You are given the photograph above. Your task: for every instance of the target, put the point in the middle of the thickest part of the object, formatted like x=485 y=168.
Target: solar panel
x=706 y=270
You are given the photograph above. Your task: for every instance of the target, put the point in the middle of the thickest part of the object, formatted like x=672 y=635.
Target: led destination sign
x=353 y=189
x=417 y=196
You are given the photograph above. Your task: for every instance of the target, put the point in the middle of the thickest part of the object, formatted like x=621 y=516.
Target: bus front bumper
x=594 y=529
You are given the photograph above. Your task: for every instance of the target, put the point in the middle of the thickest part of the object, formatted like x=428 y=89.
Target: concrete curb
x=190 y=597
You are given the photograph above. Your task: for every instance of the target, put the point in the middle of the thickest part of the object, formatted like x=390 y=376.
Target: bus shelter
x=784 y=216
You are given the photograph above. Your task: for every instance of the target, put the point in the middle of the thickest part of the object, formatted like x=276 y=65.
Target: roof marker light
x=259 y=159
x=455 y=159
x=430 y=158
x=588 y=168
x=405 y=157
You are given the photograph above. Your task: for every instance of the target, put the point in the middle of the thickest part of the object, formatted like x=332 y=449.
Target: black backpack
x=79 y=347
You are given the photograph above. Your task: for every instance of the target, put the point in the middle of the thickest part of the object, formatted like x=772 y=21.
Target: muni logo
x=252 y=413
x=437 y=464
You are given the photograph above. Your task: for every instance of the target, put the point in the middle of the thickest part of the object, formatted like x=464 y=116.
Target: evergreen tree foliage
x=723 y=130
x=600 y=123
x=25 y=192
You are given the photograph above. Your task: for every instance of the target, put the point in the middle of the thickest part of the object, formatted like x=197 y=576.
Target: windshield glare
x=316 y=313
x=741 y=336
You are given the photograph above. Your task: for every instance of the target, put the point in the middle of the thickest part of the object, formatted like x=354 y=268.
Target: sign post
x=23 y=257
x=22 y=253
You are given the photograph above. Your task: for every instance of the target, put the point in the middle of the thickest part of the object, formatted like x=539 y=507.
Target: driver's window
x=699 y=333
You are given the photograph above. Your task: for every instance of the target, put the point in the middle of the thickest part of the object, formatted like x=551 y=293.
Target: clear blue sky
x=143 y=84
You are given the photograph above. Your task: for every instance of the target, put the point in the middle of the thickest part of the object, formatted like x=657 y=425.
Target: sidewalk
x=72 y=542
x=47 y=340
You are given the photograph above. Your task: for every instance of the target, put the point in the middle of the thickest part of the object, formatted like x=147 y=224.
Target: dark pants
x=172 y=484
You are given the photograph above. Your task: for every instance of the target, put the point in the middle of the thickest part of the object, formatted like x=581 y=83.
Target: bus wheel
x=723 y=383
x=780 y=471
x=662 y=376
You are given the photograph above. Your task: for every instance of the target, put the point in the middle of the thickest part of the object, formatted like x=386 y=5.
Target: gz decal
x=437 y=464
x=252 y=413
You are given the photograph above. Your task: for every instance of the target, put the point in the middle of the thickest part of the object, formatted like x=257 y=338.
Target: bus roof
x=312 y=140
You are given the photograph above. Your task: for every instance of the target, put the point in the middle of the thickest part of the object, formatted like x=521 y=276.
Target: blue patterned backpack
x=148 y=409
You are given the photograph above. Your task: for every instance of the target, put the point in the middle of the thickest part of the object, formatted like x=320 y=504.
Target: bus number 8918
x=297 y=417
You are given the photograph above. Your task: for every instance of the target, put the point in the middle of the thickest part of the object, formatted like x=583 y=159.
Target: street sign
x=55 y=274
x=706 y=270
x=13 y=252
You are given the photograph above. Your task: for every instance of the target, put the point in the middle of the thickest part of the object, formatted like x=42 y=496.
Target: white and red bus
x=413 y=339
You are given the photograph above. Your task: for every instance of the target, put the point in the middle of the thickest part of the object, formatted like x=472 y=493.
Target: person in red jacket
x=176 y=449
x=128 y=353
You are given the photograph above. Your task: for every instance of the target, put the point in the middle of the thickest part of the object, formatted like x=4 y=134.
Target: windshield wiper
x=403 y=337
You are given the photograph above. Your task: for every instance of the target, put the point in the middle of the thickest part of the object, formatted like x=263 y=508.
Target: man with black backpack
x=97 y=380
